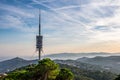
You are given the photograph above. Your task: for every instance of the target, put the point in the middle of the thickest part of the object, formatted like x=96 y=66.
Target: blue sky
x=67 y=26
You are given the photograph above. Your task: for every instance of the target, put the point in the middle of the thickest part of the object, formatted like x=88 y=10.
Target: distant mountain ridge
x=110 y=63
x=74 y=56
x=9 y=65
x=65 y=56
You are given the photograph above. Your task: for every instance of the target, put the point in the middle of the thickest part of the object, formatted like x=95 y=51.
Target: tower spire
x=39 y=22
x=39 y=38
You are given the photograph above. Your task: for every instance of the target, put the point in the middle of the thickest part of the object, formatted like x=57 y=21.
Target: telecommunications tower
x=39 y=38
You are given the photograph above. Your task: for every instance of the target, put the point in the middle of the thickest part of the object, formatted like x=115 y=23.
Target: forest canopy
x=46 y=69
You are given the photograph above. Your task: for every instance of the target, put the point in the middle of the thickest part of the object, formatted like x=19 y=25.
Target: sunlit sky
x=67 y=26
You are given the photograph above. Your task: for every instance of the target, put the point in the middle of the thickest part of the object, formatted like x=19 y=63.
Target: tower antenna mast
x=39 y=38
x=39 y=22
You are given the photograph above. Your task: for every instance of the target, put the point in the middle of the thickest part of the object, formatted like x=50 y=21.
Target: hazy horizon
x=62 y=56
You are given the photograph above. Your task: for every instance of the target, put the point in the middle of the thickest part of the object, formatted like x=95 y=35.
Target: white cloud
x=18 y=18
x=74 y=22
x=82 y=19
x=16 y=10
x=9 y=21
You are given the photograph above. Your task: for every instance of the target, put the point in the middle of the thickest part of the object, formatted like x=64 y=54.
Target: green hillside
x=46 y=69
x=83 y=74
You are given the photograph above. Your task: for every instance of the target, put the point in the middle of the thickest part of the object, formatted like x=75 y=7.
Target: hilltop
x=46 y=69
x=59 y=70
